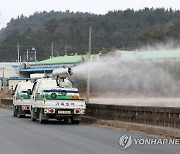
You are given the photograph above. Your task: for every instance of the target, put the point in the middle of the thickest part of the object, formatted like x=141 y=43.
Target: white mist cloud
x=143 y=77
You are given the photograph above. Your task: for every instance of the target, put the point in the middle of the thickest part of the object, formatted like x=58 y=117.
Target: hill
x=68 y=31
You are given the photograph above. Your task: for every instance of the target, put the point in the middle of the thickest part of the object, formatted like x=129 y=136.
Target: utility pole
x=20 y=59
x=18 y=53
x=88 y=60
x=52 y=48
x=27 y=56
x=35 y=55
x=3 y=78
x=3 y=72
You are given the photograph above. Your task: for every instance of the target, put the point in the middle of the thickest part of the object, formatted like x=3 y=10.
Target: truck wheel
x=75 y=121
x=33 y=116
x=14 y=111
x=66 y=120
x=19 y=113
x=41 y=115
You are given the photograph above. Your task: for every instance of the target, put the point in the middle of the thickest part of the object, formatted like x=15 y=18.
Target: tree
x=104 y=51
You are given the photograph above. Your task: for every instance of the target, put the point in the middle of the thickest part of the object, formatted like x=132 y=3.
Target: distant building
x=50 y=64
x=155 y=55
x=12 y=82
x=8 y=70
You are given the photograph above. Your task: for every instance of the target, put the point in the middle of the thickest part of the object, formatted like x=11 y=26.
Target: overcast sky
x=12 y=8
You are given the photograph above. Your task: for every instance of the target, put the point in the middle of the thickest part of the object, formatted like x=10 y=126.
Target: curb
x=134 y=127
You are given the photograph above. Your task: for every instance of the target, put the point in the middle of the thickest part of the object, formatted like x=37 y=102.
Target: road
x=160 y=102
x=23 y=136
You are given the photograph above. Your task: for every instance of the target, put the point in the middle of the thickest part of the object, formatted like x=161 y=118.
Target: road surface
x=23 y=136
x=160 y=102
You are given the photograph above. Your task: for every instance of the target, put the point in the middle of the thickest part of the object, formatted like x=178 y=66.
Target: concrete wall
x=159 y=116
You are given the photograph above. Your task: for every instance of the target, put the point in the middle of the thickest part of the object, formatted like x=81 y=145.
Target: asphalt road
x=23 y=136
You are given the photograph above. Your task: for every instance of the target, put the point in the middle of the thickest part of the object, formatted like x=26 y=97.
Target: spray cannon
x=62 y=72
x=61 y=75
x=37 y=76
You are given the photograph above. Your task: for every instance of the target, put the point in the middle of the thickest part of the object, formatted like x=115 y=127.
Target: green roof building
x=162 y=54
x=75 y=59
x=67 y=59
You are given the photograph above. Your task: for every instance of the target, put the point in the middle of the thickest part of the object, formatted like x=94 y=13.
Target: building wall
x=13 y=83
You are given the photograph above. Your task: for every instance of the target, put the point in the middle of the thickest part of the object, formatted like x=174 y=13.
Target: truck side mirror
x=29 y=92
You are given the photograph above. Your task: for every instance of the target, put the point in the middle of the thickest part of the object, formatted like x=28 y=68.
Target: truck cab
x=56 y=99
x=21 y=99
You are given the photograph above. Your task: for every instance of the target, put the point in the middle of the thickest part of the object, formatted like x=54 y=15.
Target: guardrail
x=159 y=116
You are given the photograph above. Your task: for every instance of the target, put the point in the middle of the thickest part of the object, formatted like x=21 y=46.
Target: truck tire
x=33 y=115
x=19 y=110
x=14 y=111
x=41 y=115
x=75 y=121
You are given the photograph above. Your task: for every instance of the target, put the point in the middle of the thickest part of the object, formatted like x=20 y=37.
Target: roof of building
x=38 y=70
x=124 y=54
x=66 y=59
x=150 y=54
